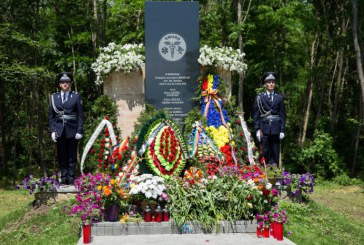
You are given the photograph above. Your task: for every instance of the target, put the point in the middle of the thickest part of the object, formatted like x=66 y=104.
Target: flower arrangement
x=44 y=184
x=218 y=127
x=225 y=57
x=149 y=186
x=117 y=57
x=102 y=157
x=163 y=147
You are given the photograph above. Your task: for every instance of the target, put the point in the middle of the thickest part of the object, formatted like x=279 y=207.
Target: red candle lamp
x=158 y=214
x=147 y=214
x=87 y=233
x=165 y=213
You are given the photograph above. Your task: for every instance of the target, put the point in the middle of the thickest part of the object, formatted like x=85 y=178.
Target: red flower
x=92 y=151
x=262 y=160
x=204 y=84
x=107 y=117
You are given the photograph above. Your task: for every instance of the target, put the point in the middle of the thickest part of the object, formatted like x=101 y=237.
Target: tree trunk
x=359 y=66
x=95 y=29
x=309 y=90
x=70 y=34
x=241 y=21
x=241 y=75
x=3 y=152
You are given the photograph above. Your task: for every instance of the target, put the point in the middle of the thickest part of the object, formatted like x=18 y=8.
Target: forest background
x=315 y=47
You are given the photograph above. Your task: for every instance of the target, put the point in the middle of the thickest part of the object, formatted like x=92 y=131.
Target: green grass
x=23 y=224
x=328 y=218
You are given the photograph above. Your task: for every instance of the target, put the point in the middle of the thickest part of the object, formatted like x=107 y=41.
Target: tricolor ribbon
x=132 y=163
x=198 y=133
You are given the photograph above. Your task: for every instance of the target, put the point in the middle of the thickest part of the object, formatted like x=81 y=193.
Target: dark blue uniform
x=66 y=119
x=270 y=118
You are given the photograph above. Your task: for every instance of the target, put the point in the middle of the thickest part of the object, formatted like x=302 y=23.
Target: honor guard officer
x=66 y=125
x=269 y=119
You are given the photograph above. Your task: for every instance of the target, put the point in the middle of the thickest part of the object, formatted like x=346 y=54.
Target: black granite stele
x=153 y=228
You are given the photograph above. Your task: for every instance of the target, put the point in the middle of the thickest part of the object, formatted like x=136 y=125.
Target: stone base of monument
x=62 y=194
x=154 y=228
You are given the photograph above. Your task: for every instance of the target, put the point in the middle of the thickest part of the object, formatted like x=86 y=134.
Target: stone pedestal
x=226 y=76
x=128 y=91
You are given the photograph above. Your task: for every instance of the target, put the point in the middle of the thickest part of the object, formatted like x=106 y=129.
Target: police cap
x=65 y=77
x=270 y=75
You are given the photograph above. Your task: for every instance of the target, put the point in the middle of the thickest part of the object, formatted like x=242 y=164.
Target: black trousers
x=67 y=157
x=271 y=144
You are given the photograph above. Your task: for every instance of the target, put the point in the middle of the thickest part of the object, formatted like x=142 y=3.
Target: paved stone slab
x=186 y=239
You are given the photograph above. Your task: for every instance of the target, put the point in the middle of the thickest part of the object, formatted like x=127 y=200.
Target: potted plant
x=114 y=199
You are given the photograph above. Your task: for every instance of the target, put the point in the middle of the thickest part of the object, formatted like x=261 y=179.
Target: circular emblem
x=172 y=47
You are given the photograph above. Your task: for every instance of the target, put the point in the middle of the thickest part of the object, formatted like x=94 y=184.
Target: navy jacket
x=66 y=117
x=269 y=117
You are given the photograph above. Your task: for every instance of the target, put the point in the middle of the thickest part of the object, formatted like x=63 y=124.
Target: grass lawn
x=21 y=223
x=333 y=216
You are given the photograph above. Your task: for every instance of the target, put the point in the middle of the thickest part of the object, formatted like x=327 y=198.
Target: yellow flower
x=249 y=205
x=113 y=181
x=132 y=185
x=99 y=187
x=220 y=136
x=210 y=79
x=124 y=218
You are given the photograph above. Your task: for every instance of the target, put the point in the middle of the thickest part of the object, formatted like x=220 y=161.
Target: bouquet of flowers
x=88 y=204
x=149 y=186
x=112 y=193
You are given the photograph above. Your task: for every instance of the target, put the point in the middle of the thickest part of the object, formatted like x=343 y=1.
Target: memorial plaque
x=171 y=52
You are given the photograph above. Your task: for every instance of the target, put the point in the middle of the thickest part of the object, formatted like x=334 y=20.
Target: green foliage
x=318 y=156
x=146 y=115
x=345 y=180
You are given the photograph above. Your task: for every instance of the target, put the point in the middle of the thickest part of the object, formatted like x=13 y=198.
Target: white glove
x=259 y=135
x=54 y=137
x=78 y=136
x=281 y=136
